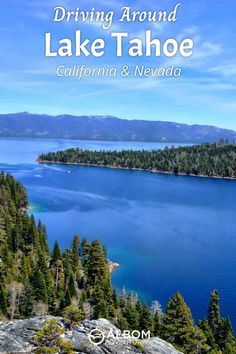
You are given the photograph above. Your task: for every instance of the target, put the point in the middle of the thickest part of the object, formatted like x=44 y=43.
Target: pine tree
x=210 y=340
x=131 y=315
x=52 y=300
x=39 y=286
x=59 y=276
x=225 y=337
x=122 y=323
x=177 y=327
x=67 y=263
x=156 y=324
x=108 y=296
x=32 y=233
x=97 y=266
x=71 y=286
x=42 y=266
x=73 y=315
x=99 y=304
x=100 y=309
x=50 y=339
x=198 y=343
x=3 y=301
x=139 y=308
x=56 y=263
x=67 y=299
x=43 y=237
x=115 y=299
x=56 y=254
x=75 y=256
x=25 y=268
x=146 y=323
x=85 y=249
x=15 y=240
x=214 y=312
x=27 y=300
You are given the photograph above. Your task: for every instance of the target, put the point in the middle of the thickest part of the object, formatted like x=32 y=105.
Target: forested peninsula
x=75 y=283
x=205 y=160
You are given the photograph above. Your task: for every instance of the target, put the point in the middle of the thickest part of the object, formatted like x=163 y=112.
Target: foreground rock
x=17 y=337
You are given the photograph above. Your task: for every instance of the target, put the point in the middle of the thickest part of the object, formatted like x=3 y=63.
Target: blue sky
x=205 y=94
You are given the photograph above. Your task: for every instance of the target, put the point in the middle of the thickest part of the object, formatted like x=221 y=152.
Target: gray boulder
x=17 y=337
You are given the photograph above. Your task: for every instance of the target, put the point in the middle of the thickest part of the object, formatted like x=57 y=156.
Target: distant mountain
x=28 y=125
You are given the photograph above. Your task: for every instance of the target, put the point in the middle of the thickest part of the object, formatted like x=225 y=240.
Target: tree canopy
x=213 y=160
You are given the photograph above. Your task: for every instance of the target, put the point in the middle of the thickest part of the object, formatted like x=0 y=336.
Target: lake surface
x=167 y=233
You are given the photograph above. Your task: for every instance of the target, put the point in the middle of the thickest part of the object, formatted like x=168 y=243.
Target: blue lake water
x=167 y=233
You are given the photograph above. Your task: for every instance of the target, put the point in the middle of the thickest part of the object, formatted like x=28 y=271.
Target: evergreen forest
x=212 y=160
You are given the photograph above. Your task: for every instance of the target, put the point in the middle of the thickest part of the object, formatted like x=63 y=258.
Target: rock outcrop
x=17 y=337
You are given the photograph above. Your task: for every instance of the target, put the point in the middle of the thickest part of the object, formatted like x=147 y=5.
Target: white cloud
x=227 y=69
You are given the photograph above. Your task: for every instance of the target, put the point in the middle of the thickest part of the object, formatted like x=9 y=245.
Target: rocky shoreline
x=113 y=266
x=132 y=169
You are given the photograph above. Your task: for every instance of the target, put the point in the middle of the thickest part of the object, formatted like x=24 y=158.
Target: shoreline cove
x=155 y=222
x=132 y=169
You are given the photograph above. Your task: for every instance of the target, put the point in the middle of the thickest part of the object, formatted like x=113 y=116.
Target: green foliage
x=206 y=159
x=76 y=264
x=178 y=325
x=39 y=286
x=26 y=300
x=71 y=286
x=67 y=300
x=56 y=253
x=3 y=302
x=97 y=265
x=122 y=322
x=225 y=337
x=115 y=299
x=100 y=309
x=138 y=345
x=35 y=281
x=156 y=324
x=214 y=312
x=72 y=314
x=50 y=341
x=131 y=315
x=146 y=322
x=205 y=328
x=198 y=343
x=85 y=249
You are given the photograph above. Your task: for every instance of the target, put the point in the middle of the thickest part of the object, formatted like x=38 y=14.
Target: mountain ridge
x=95 y=127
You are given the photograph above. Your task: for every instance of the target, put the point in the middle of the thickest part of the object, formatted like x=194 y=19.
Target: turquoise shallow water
x=167 y=232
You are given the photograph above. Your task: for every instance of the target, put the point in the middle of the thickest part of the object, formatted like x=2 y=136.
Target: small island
x=217 y=160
